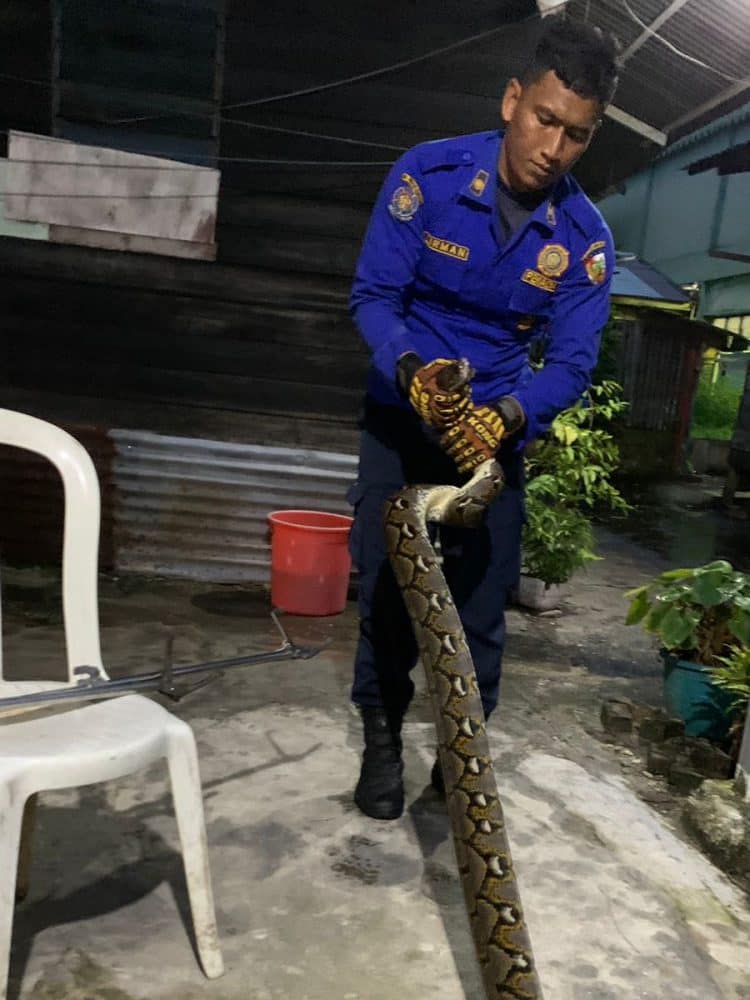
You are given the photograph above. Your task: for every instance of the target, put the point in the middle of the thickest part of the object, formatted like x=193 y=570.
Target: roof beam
x=546 y=7
x=710 y=104
x=636 y=125
x=652 y=29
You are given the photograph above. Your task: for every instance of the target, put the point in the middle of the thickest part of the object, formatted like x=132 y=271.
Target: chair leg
x=25 y=851
x=188 y=804
x=11 y=819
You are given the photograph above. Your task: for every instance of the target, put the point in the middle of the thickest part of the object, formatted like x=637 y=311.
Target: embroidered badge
x=539 y=280
x=479 y=183
x=413 y=186
x=553 y=260
x=446 y=247
x=598 y=245
x=403 y=204
x=595 y=262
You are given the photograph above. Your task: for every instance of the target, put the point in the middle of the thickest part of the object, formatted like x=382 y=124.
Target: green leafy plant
x=715 y=408
x=734 y=677
x=557 y=540
x=580 y=454
x=701 y=614
x=568 y=477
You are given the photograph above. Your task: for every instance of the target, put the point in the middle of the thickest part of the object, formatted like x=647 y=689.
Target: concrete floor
x=317 y=901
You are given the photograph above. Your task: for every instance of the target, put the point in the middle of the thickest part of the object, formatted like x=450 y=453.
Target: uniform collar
x=481 y=187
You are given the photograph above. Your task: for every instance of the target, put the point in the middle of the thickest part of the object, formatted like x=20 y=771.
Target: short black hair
x=582 y=56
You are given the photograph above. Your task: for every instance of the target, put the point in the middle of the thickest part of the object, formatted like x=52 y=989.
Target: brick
x=709 y=759
x=653 y=729
x=684 y=778
x=659 y=762
x=674 y=728
x=617 y=716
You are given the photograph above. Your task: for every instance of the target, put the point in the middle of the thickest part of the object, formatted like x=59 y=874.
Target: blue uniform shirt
x=436 y=277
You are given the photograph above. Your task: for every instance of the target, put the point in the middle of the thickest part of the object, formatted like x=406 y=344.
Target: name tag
x=446 y=247
x=539 y=280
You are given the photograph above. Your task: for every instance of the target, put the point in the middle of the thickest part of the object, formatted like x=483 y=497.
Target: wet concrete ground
x=687 y=522
x=315 y=900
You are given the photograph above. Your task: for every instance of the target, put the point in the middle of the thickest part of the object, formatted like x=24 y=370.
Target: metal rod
x=160 y=679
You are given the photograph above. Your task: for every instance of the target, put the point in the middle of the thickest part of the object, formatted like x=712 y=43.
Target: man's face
x=548 y=127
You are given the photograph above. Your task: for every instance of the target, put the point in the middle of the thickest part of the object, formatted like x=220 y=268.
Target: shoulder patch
x=596 y=245
x=595 y=263
x=413 y=187
x=403 y=204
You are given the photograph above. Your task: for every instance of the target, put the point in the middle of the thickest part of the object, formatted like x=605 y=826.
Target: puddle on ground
x=686 y=523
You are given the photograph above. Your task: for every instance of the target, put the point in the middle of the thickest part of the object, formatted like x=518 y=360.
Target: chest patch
x=553 y=260
x=446 y=247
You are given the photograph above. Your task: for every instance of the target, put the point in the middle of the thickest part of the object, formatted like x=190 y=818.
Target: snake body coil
x=481 y=842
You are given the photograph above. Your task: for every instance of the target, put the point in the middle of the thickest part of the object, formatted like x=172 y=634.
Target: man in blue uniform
x=478 y=246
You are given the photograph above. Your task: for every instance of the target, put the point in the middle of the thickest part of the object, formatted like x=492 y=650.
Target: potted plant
x=702 y=618
x=568 y=475
x=557 y=540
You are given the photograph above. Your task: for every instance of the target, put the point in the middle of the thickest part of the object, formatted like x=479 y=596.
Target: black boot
x=380 y=789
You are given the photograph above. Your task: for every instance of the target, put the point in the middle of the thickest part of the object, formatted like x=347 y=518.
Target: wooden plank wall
x=258 y=345
x=128 y=336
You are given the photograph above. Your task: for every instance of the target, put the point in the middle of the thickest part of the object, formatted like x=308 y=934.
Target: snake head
x=455 y=375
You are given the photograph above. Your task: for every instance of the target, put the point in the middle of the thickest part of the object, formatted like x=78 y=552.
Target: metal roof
x=678 y=56
x=685 y=64
x=633 y=278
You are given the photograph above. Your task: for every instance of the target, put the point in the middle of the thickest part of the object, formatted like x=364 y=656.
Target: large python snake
x=480 y=838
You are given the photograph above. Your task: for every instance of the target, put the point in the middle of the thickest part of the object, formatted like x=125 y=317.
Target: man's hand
x=438 y=391
x=474 y=438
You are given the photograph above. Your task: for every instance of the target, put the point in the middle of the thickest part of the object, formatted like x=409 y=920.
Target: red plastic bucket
x=310 y=561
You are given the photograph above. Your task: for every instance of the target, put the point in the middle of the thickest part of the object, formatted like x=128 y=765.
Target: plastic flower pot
x=691 y=695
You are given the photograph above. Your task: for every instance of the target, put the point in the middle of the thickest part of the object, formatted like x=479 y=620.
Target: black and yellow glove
x=476 y=437
x=439 y=391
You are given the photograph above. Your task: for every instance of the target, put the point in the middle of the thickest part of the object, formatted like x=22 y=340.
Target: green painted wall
x=673 y=220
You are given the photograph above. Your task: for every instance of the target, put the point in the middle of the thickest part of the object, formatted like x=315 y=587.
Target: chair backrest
x=81 y=530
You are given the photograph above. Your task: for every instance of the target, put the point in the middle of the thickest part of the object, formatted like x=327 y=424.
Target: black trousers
x=480 y=565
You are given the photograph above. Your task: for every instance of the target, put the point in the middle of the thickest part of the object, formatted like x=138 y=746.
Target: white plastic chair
x=98 y=741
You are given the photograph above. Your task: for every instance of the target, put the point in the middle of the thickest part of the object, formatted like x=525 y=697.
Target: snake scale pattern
x=480 y=838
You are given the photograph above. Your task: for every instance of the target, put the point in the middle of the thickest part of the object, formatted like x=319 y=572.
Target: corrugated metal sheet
x=189 y=507
x=650 y=369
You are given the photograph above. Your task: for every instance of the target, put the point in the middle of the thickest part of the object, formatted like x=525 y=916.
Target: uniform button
x=466 y=157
